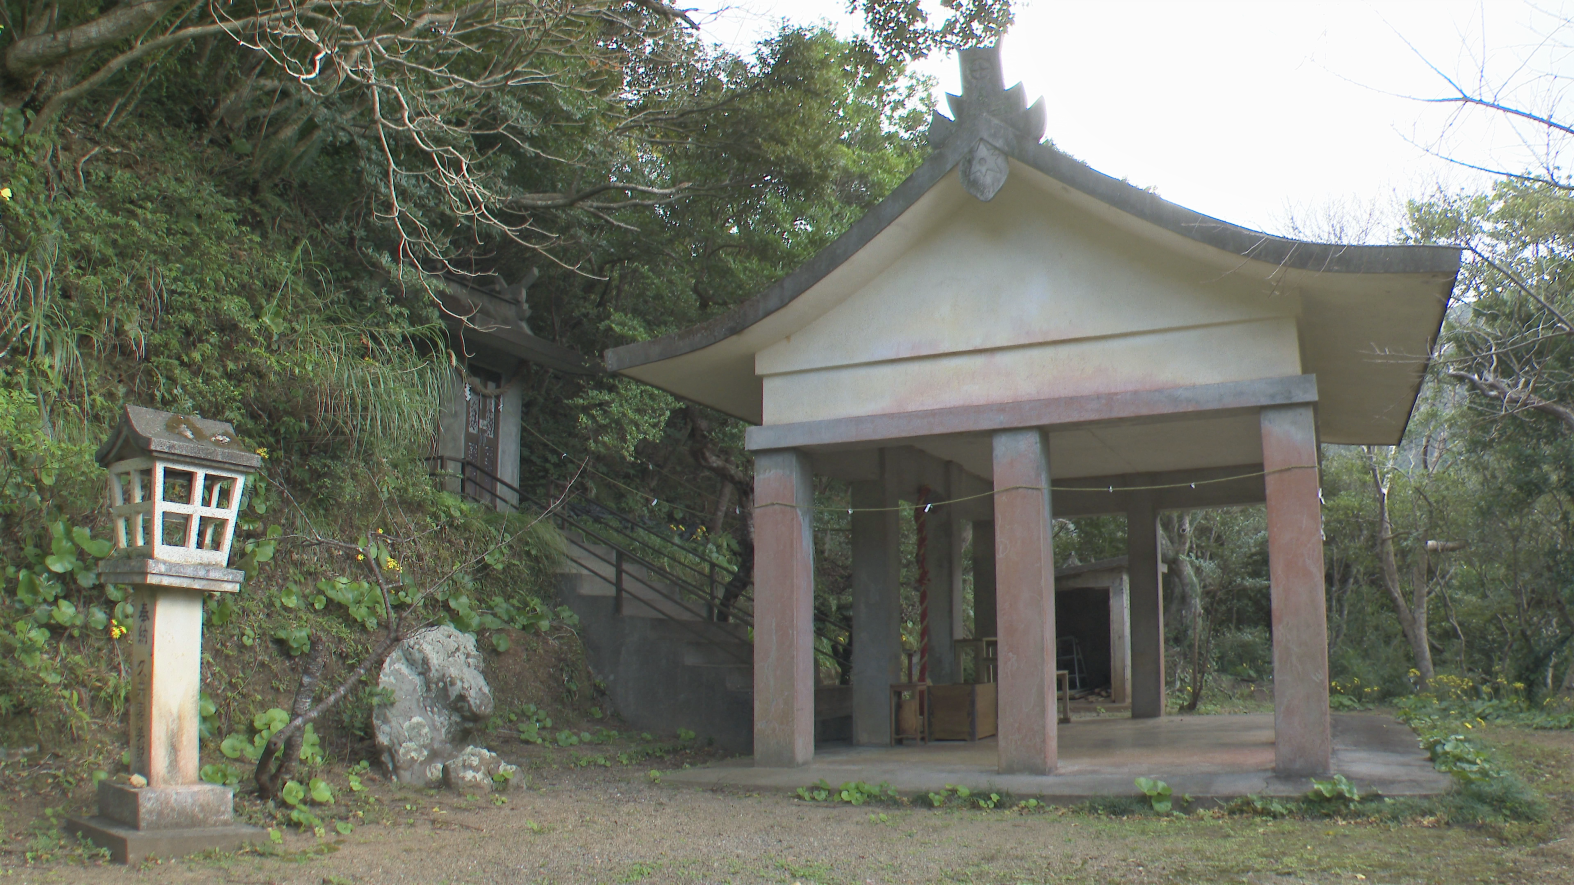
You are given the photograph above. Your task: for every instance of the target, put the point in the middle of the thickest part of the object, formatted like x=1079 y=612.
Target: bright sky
x=1257 y=112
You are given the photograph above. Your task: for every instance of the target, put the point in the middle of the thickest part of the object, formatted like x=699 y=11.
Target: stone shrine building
x=1013 y=328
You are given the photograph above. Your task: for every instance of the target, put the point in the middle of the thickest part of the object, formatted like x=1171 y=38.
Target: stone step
x=697 y=652
x=644 y=602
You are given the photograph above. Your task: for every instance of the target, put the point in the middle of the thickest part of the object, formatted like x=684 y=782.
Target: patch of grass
x=806 y=871
x=639 y=872
x=1114 y=806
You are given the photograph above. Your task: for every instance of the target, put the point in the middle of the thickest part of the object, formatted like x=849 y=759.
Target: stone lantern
x=175 y=484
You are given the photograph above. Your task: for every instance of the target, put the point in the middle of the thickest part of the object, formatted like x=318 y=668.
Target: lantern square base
x=174 y=575
x=128 y=845
x=184 y=807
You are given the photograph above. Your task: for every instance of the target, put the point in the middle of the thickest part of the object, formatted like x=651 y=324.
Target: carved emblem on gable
x=984 y=171
x=984 y=167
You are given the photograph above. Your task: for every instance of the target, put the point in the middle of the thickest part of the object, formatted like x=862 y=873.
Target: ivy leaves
x=42 y=589
x=264 y=726
x=63 y=559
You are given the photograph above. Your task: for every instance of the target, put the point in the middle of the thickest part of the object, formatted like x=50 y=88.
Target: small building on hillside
x=479 y=425
x=1025 y=336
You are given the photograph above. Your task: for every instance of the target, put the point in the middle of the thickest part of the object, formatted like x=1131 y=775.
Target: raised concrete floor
x=1209 y=757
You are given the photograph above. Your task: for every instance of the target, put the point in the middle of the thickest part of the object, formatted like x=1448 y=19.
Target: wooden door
x=482 y=414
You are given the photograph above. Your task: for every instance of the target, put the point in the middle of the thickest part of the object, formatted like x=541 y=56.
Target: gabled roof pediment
x=912 y=277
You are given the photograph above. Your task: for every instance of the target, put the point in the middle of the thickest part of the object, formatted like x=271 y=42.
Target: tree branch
x=1515 y=398
x=31 y=54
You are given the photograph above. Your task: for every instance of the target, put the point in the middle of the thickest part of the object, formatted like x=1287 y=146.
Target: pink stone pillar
x=783 y=610
x=1302 y=743
x=1025 y=603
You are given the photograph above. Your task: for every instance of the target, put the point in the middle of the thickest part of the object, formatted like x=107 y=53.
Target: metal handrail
x=635 y=526
x=620 y=554
x=620 y=573
x=648 y=564
x=709 y=576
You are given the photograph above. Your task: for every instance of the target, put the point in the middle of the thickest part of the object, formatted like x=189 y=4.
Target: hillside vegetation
x=242 y=211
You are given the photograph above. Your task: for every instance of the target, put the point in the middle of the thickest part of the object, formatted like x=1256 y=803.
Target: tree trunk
x=1200 y=639
x=1175 y=546
x=1567 y=689
x=270 y=776
x=1412 y=614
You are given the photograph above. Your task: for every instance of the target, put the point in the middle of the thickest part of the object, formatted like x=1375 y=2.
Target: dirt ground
x=617 y=824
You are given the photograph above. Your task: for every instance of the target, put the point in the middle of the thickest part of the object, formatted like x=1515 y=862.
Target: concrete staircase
x=664 y=665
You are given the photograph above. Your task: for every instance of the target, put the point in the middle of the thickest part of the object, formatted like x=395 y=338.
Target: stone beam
x=1057 y=412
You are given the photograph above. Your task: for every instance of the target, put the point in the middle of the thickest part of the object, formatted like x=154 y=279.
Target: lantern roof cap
x=145 y=431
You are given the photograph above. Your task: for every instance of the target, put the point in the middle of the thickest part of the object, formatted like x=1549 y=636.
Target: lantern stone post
x=175 y=484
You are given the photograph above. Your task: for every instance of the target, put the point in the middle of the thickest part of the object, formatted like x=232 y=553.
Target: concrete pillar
x=1302 y=743
x=1147 y=610
x=451 y=429
x=1119 y=642
x=1025 y=569
x=509 y=421
x=877 y=612
x=984 y=579
x=783 y=610
x=942 y=529
x=166 y=685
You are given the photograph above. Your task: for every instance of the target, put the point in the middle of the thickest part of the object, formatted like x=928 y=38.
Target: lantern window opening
x=177 y=485
x=212 y=532
x=217 y=491
x=174 y=530
x=129 y=502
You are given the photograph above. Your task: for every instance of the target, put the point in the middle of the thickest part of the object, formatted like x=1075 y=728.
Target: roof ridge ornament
x=984 y=167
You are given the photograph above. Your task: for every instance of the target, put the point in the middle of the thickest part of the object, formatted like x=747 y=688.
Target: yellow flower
x=359 y=557
x=263 y=452
x=5 y=194
x=392 y=565
x=116 y=630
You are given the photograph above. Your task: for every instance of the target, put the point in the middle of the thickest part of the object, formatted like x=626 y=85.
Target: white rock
x=476 y=769
x=438 y=693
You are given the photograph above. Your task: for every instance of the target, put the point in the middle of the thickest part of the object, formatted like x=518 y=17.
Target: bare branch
x=1514 y=398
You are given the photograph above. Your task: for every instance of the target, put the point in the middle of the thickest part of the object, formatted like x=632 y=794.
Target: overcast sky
x=1255 y=112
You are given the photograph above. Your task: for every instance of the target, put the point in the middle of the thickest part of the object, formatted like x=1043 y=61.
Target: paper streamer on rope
x=921 y=527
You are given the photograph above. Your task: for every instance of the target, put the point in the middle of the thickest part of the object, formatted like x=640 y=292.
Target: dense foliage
x=243 y=211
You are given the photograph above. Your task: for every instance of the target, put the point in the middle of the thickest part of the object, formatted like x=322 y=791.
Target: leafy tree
x=220 y=209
